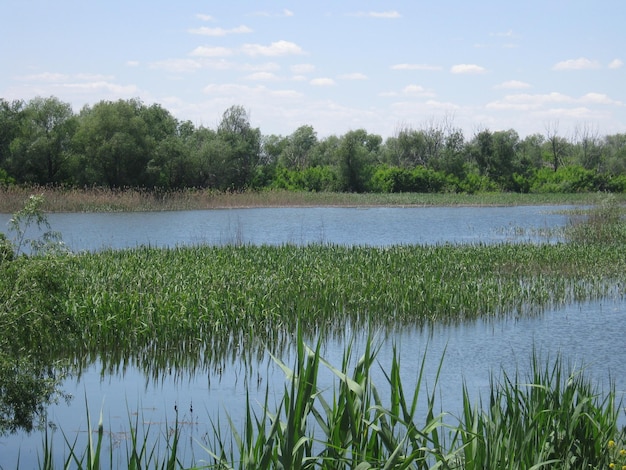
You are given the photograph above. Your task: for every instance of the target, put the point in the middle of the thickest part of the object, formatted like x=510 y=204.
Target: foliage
x=30 y=217
x=128 y=144
x=418 y=180
x=553 y=418
x=567 y=179
x=316 y=178
x=27 y=388
x=603 y=224
x=33 y=291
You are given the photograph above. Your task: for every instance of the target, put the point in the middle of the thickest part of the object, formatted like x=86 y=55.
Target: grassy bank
x=129 y=200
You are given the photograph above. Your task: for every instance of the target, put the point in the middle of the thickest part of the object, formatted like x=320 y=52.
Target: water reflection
x=27 y=388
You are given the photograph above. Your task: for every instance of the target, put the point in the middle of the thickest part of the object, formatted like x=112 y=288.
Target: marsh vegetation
x=192 y=307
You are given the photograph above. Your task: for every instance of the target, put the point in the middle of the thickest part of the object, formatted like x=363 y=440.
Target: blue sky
x=336 y=66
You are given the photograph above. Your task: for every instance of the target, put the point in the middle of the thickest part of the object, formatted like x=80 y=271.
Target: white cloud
x=100 y=86
x=231 y=92
x=302 y=68
x=45 y=77
x=581 y=63
x=211 y=51
x=467 y=69
x=177 y=65
x=261 y=76
x=264 y=67
x=204 y=31
x=132 y=63
x=440 y=105
x=416 y=90
x=530 y=102
x=203 y=17
x=599 y=98
x=616 y=64
x=527 y=102
x=424 y=67
x=278 y=48
x=286 y=13
x=513 y=85
x=353 y=76
x=507 y=34
x=322 y=82
x=391 y=14
x=52 y=77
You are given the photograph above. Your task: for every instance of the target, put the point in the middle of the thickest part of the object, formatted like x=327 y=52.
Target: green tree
x=495 y=153
x=356 y=152
x=451 y=158
x=42 y=147
x=114 y=144
x=558 y=147
x=615 y=153
x=10 y=122
x=240 y=145
x=295 y=155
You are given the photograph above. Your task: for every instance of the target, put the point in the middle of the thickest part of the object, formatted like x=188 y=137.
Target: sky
x=335 y=65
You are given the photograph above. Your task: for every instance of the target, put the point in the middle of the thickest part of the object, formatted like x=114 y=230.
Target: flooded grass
x=553 y=417
x=132 y=200
x=197 y=306
x=201 y=302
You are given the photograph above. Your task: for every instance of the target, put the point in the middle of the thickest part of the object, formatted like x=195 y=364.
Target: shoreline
x=60 y=200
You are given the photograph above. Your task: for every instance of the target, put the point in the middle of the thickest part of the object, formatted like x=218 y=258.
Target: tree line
x=127 y=143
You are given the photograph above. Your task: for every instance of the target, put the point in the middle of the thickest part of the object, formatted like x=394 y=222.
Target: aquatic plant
x=604 y=224
x=553 y=418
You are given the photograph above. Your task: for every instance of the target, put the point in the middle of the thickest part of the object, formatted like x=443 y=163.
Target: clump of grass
x=349 y=427
x=554 y=418
x=603 y=224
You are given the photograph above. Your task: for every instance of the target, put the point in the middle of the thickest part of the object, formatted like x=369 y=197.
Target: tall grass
x=552 y=418
x=603 y=224
x=211 y=302
x=96 y=199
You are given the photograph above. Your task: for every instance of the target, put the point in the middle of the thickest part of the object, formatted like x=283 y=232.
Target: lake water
x=377 y=226
x=589 y=334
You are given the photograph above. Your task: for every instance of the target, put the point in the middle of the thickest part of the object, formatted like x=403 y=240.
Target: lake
x=589 y=334
x=378 y=226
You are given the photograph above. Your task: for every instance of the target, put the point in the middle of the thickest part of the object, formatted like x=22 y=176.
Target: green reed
x=211 y=300
x=553 y=417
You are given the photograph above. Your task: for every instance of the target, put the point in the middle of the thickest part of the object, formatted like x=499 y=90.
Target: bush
x=401 y=180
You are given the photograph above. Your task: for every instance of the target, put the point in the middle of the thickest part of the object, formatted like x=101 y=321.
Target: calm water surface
x=589 y=334
x=378 y=226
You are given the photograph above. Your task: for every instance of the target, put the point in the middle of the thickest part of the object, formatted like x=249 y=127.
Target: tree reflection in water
x=27 y=388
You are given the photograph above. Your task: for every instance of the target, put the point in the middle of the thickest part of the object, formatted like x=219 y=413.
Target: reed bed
x=211 y=302
x=60 y=199
x=551 y=418
x=196 y=306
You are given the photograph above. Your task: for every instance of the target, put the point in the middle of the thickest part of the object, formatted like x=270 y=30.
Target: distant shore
x=141 y=200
